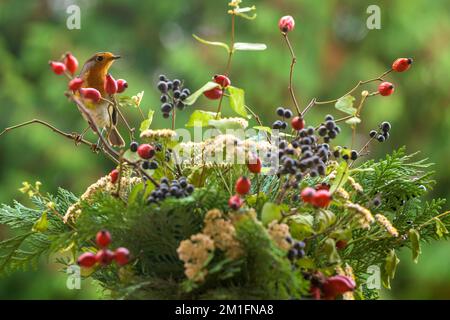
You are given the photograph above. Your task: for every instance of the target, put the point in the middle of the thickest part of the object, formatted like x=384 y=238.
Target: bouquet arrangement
x=240 y=211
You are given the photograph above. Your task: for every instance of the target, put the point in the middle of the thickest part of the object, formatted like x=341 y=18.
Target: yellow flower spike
x=26 y=187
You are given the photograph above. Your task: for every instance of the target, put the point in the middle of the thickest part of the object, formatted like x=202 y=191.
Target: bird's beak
x=115 y=57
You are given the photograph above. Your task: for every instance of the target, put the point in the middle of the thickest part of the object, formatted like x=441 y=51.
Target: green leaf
x=353 y=121
x=41 y=225
x=440 y=228
x=270 y=212
x=229 y=123
x=301 y=225
x=345 y=104
x=330 y=250
x=212 y=43
x=390 y=267
x=263 y=128
x=145 y=125
x=324 y=219
x=414 y=236
x=246 y=16
x=341 y=176
x=200 y=118
x=237 y=101
x=194 y=96
x=245 y=46
x=137 y=189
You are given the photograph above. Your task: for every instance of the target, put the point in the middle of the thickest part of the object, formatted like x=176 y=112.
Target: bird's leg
x=98 y=145
x=79 y=136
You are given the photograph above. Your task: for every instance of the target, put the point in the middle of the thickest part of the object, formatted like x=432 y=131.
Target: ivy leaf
x=414 y=236
x=245 y=46
x=41 y=225
x=145 y=125
x=390 y=267
x=440 y=228
x=353 y=121
x=345 y=104
x=270 y=212
x=194 y=96
x=200 y=118
x=330 y=250
x=212 y=43
x=237 y=101
x=341 y=176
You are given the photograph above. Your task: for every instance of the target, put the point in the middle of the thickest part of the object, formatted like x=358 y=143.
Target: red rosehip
x=235 y=202
x=104 y=257
x=213 y=94
x=114 y=175
x=103 y=238
x=243 y=185
x=255 y=165
x=57 y=67
x=110 y=84
x=321 y=198
x=122 y=85
x=224 y=81
x=146 y=151
x=297 y=123
x=341 y=244
x=71 y=63
x=286 y=24
x=91 y=94
x=122 y=256
x=75 y=84
x=87 y=260
x=386 y=88
x=402 y=64
x=307 y=194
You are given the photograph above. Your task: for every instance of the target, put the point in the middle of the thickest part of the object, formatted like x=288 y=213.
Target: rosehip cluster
x=104 y=256
x=176 y=188
x=318 y=198
x=172 y=95
x=328 y=130
x=383 y=133
x=284 y=114
x=297 y=249
x=217 y=92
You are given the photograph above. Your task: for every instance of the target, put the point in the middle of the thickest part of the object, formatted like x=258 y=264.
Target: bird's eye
x=99 y=58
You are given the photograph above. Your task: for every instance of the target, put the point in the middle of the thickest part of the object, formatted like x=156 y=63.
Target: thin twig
x=291 y=73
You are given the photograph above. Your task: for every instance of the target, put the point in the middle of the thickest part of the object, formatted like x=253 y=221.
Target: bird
x=93 y=74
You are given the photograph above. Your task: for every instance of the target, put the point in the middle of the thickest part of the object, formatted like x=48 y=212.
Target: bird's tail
x=114 y=138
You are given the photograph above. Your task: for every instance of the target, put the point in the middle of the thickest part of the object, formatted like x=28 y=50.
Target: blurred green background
x=334 y=49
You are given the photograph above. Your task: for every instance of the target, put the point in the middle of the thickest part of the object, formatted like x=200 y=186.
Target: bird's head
x=99 y=63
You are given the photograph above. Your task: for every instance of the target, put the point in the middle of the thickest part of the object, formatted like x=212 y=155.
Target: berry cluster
x=284 y=114
x=172 y=95
x=176 y=188
x=328 y=130
x=383 y=133
x=345 y=153
x=297 y=249
x=146 y=152
x=104 y=256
